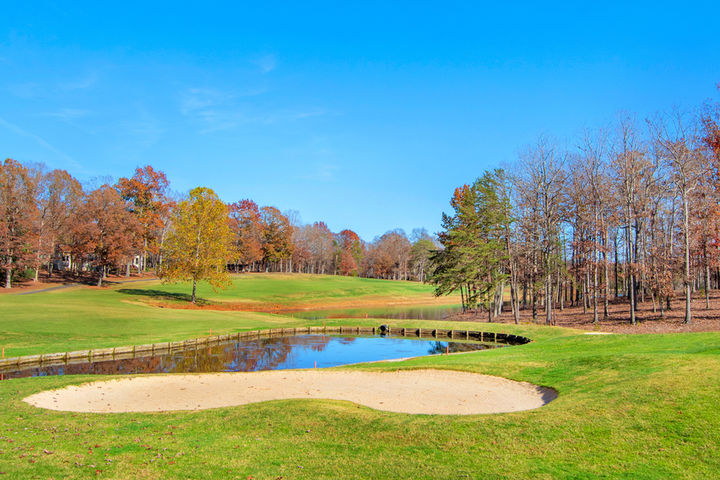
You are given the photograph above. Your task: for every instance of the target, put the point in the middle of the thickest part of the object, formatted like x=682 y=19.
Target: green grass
x=285 y=289
x=81 y=318
x=630 y=406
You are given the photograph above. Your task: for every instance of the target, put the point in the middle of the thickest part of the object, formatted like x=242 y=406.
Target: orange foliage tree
x=109 y=232
x=247 y=230
x=146 y=190
x=18 y=214
x=350 y=252
x=276 y=236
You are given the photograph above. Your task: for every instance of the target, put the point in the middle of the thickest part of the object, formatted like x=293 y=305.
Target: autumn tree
x=350 y=252
x=302 y=254
x=276 y=236
x=541 y=183
x=710 y=136
x=389 y=256
x=630 y=166
x=146 y=190
x=678 y=139
x=109 y=231
x=18 y=214
x=59 y=197
x=247 y=231
x=592 y=169
x=200 y=243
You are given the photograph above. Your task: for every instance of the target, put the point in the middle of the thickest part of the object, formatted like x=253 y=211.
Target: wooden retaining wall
x=121 y=353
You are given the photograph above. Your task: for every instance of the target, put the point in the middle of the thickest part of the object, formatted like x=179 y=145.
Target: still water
x=278 y=353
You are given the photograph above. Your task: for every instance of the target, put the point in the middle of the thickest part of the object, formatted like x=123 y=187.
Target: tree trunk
x=662 y=308
x=192 y=299
x=144 y=257
x=652 y=297
x=686 y=228
x=628 y=261
x=559 y=292
x=607 y=276
x=548 y=300
x=499 y=298
x=596 y=260
x=533 y=302
x=514 y=301
x=707 y=277
x=632 y=299
x=616 y=266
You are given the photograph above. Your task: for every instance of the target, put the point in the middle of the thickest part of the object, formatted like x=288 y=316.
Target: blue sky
x=364 y=115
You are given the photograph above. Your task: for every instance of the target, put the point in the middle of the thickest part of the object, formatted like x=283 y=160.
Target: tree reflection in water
x=454 y=347
x=302 y=351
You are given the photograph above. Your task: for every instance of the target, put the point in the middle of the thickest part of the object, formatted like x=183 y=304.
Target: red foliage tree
x=350 y=252
x=18 y=216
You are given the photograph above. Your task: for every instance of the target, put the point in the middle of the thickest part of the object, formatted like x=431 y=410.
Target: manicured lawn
x=630 y=406
x=284 y=289
x=81 y=318
x=638 y=406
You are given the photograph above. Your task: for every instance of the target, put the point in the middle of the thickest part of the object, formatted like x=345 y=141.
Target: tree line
x=49 y=222
x=629 y=213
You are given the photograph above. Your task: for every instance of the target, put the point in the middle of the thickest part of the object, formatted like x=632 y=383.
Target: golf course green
x=629 y=406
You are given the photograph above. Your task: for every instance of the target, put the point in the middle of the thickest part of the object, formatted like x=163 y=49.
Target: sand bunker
x=406 y=391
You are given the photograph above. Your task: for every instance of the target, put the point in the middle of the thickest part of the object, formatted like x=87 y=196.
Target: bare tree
x=629 y=164
x=541 y=183
x=677 y=137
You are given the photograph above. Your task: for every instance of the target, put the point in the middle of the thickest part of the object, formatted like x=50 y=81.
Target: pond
x=274 y=353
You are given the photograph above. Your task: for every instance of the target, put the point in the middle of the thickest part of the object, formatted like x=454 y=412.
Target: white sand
x=406 y=391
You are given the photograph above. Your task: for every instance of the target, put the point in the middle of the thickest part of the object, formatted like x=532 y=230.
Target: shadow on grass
x=162 y=295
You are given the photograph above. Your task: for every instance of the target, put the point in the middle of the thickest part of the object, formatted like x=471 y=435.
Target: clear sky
x=365 y=115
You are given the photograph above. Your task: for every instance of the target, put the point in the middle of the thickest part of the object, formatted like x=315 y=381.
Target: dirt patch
x=648 y=320
x=404 y=391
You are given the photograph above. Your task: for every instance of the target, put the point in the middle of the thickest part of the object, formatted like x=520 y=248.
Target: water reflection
x=276 y=353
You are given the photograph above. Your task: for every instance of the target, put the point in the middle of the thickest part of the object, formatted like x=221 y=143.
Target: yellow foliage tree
x=199 y=245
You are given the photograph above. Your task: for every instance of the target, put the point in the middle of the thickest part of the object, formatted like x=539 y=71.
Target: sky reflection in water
x=277 y=353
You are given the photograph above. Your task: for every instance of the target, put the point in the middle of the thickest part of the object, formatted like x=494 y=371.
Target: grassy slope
x=286 y=289
x=630 y=406
x=81 y=318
